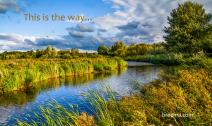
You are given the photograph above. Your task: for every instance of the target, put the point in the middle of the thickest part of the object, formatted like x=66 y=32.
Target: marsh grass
x=184 y=91
x=167 y=59
x=200 y=60
x=98 y=101
x=20 y=74
x=58 y=115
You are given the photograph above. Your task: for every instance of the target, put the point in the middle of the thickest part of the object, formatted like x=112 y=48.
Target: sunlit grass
x=58 y=115
x=185 y=91
x=20 y=74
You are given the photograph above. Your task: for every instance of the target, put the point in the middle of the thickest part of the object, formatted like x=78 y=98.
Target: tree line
x=122 y=50
x=48 y=52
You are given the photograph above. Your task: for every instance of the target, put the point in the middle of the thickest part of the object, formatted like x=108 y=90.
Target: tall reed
x=24 y=73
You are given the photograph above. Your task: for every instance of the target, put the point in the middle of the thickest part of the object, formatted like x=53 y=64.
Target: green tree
x=74 y=51
x=137 y=49
x=189 y=27
x=119 y=49
x=117 y=46
x=103 y=50
x=50 y=52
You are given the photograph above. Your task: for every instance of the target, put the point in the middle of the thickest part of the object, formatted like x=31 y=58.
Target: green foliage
x=117 y=46
x=58 y=115
x=189 y=28
x=207 y=45
x=74 y=51
x=20 y=74
x=118 y=49
x=167 y=59
x=48 y=53
x=103 y=50
x=138 y=49
x=122 y=50
x=199 y=60
x=99 y=105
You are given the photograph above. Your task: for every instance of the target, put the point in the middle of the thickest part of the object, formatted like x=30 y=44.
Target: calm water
x=68 y=90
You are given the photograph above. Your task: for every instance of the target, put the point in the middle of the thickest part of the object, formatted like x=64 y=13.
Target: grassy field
x=19 y=74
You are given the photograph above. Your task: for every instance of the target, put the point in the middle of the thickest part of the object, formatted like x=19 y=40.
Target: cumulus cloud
x=131 y=21
x=19 y=42
x=9 y=5
x=140 y=20
x=9 y=42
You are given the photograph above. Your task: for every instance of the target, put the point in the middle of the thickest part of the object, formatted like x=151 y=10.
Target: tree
x=117 y=46
x=137 y=49
x=50 y=52
x=74 y=51
x=119 y=49
x=103 y=50
x=189 y=27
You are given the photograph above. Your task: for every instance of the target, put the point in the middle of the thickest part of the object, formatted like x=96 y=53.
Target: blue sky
x=112 y=20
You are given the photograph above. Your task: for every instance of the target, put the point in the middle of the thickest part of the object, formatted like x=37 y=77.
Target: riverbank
x=181 y=96
x=19 y=74
x=171 y=59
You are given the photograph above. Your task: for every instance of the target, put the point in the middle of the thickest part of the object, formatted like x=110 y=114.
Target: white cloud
x=131 y=21
x=151 y=15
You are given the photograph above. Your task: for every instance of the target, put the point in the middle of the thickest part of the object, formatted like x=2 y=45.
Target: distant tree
x=132 y=50
x=142 y=49
x=118 y=49
x=49 y=52
x=74 y=51
x=117 y=45
x=38 y=53
x=120 y=52
x=158 y=48
x=103 y=50
x=189 y=27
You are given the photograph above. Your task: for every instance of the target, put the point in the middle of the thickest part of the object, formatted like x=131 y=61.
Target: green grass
x=170 y=59
x=19 y=74
x=167 y=59
x=58 y=115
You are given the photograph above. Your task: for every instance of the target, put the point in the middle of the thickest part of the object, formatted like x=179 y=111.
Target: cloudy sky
x=112 y=20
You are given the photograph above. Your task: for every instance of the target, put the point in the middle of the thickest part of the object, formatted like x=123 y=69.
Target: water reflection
x=21 y=98
x=15 y=103
x=68 y=91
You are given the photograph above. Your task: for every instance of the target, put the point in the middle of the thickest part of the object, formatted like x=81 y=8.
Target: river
x=68 y=90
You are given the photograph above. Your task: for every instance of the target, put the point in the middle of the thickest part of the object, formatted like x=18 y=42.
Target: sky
x=130 y=21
